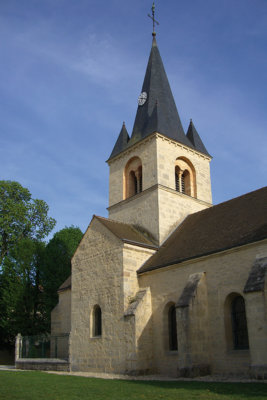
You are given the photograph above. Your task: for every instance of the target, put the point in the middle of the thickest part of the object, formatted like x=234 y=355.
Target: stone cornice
x=151 y=189
x=157 y=135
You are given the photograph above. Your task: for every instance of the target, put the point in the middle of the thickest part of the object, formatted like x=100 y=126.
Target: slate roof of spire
x=121 y=142
x=194 y=138
x=159 y=113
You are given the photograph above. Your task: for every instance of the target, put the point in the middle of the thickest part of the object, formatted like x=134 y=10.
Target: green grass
x=36 y=385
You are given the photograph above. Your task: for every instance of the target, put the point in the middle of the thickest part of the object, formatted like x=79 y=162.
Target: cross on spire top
x=153 y=18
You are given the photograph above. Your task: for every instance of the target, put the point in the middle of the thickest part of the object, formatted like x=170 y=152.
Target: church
x=168 y=284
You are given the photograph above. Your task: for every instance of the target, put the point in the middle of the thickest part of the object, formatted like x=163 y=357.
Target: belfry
x=167 y=284
x=166 y=168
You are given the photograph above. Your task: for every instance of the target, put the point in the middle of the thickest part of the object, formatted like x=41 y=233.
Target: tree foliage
x=24 y=222
x=21 y=217
x=21 y=293
x=30 y=270
x=57 y=262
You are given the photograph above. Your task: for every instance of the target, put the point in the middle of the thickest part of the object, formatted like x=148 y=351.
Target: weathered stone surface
x=190 y=289
x=257 y=276
x=43 y=364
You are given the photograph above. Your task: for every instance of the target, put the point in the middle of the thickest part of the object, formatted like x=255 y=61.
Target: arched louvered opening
x=133 y=178
x=185 y=177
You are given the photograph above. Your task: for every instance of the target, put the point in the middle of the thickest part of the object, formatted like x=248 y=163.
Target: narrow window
x=183 y=183
x=135 y=185
x=97 y=321
x=239 y=324
x=141 y=182
x=172 y=328
x=177 y=182
x=132 y=183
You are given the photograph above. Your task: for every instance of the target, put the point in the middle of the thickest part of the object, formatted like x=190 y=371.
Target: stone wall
x=173 y=208
x=61 y=314
x=159 y=208
x=140 y=210
x=167 y=153
x=226 y=273
x=104 y=274
x=97 y=280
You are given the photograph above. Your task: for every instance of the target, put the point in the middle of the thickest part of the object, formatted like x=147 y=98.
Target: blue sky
x=71 y=72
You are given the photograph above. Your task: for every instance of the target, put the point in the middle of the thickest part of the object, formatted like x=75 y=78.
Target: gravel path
x=102 y=375
x=208 y=378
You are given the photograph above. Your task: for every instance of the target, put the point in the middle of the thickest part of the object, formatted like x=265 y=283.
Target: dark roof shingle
x=65 y=285
x=230 y=224
x=121 y=142
x=195 y=139
x=159 y=112
x=128 y=233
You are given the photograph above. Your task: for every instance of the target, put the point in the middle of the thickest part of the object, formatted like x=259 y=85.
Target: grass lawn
x=37 y=385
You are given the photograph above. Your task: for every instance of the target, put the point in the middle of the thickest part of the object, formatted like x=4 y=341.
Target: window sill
x=96 y=337
x=172 y=353
x=238 y=352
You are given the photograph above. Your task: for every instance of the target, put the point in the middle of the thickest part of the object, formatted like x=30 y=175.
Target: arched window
x=239 y=323
x=235 y=321
x=185 y=177
x=133 y=179
x=172 y=328
x=97 y=321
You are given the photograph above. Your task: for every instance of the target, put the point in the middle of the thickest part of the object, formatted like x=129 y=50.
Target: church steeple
x=121 y=142
x=160 y=174
x=195 y=139
x=156 y=93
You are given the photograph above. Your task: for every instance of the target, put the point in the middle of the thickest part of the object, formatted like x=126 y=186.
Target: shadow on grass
x=32 y=385
x=245 y=390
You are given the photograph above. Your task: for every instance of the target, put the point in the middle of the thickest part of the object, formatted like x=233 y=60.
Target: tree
x=24 y=222
x=57 y=262
x=21 y=292
x=21 y=217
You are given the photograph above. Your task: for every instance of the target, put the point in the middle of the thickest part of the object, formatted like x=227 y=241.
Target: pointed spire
x=121 y=142
x=195 y=139
x=156 y=87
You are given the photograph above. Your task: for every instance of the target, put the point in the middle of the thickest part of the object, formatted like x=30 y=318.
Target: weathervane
x=153 y=18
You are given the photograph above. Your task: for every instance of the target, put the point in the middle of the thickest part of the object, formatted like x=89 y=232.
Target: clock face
x=142 y=98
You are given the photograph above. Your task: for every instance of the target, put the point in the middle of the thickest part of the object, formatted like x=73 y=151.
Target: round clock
x=142 y=98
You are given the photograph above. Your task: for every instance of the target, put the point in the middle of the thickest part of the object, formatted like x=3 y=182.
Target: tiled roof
x=230 y=224
x=121 y=142
x=195 y=139
x=128 y=233
x=65 y=285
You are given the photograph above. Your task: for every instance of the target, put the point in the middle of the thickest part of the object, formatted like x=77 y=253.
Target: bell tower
x=159 y=175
